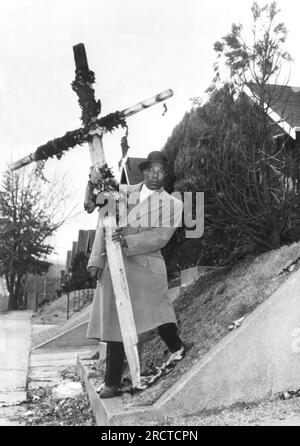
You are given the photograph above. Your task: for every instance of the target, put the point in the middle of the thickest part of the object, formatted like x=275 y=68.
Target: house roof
x=84 y=244
x=54 y=270
x=74 y=250
x=90 y=241
x=85 y=241
x=131 y=173
x=68 y=261
x=284 y=104
x=82 y=241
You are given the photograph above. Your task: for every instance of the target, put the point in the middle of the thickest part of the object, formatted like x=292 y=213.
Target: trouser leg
x=114 y=363
x=115 y=353
x=169 y=334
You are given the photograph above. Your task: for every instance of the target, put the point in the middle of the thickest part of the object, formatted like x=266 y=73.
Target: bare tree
x=30 y=212
x=260 y=59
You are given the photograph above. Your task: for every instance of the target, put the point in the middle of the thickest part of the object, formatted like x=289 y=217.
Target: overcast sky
x=137 y=48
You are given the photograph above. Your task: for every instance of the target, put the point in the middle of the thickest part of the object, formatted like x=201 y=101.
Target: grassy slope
x=76 y=319
x=56 y=313
x=206 y=309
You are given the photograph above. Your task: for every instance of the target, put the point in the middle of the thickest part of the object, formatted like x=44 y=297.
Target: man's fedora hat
x=156 y=157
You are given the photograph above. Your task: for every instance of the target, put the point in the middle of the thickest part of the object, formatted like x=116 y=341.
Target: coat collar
x=146 y=206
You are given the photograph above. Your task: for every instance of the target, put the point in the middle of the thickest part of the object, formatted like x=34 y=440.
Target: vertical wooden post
x=45 y=286
x=68 y=304
x=90 y=110
x=119 y=279
x=36 y=302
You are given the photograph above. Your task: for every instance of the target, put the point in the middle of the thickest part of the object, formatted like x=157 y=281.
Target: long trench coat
x=151 y=223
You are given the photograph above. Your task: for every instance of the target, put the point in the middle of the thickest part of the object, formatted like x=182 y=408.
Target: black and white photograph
x=149 y=215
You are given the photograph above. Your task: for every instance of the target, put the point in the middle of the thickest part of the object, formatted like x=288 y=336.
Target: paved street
x=15 y=341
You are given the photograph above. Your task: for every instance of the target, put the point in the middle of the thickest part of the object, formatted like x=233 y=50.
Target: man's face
x=154 y=175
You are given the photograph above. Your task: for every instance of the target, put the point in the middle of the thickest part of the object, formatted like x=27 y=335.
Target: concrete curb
x=69 y=338
x=110 y=412
x=259 y=359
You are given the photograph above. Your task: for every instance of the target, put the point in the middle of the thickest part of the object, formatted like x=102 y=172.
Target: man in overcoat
x=151 y=222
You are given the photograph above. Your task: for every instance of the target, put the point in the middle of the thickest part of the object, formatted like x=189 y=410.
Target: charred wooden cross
x=101 y=177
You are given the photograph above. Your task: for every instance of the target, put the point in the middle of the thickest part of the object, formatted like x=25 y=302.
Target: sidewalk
x=15 y=341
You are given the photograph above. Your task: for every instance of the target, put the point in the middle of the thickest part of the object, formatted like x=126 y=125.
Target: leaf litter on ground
x=44 y=410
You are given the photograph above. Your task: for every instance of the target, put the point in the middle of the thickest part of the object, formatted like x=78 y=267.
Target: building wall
x=44 y=286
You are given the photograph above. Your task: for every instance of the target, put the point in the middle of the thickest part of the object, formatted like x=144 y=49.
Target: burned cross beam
x=73 y=138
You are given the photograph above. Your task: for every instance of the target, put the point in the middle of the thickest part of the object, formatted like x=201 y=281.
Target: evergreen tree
x=226 y=149
x=80 y=277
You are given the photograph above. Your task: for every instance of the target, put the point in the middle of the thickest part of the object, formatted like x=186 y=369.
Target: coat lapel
x=146 y=211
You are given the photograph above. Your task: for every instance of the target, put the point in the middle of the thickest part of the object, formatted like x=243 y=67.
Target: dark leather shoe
x=110 y=392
